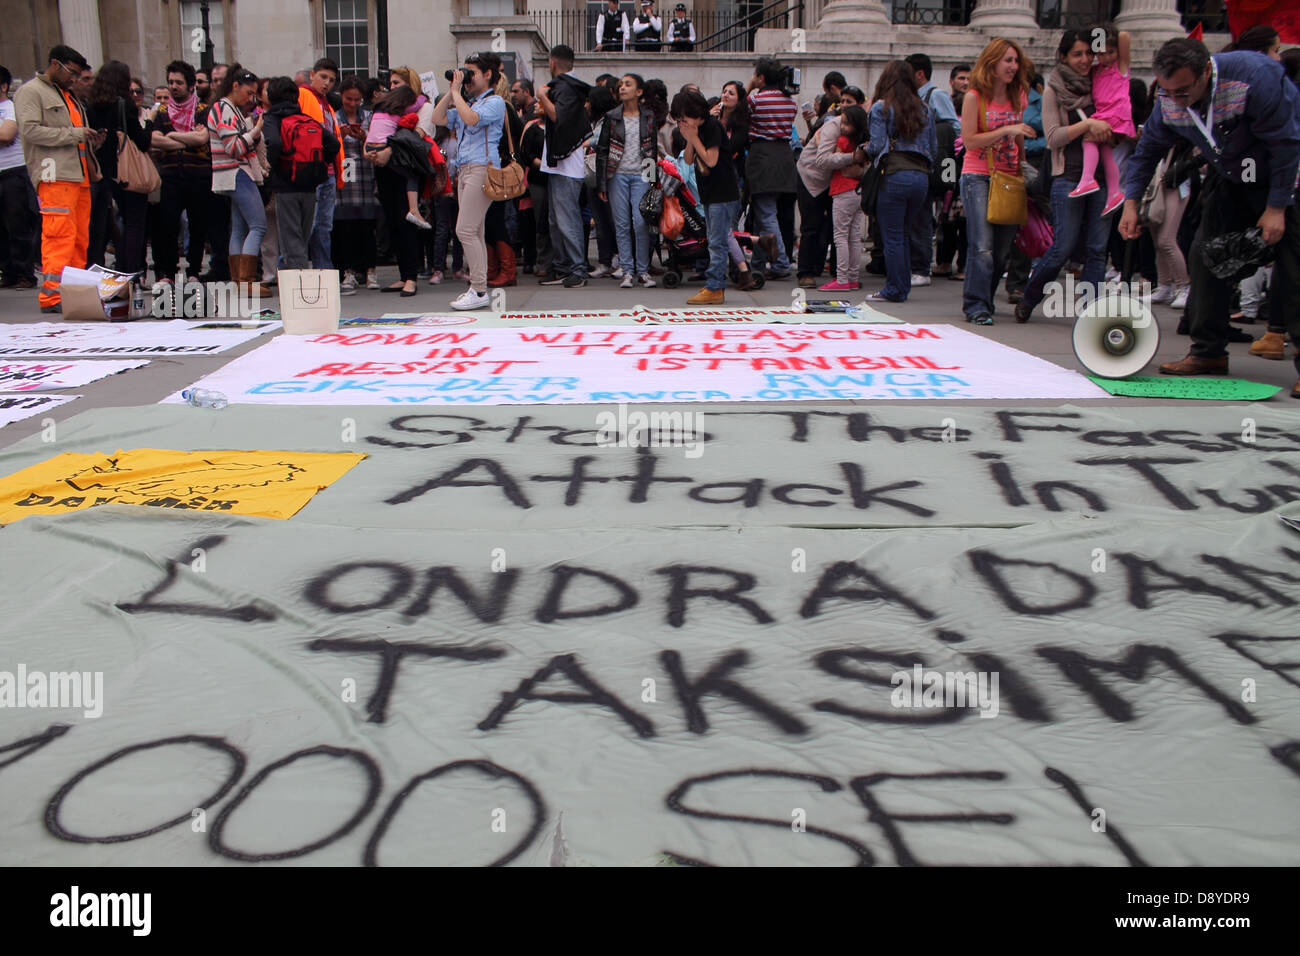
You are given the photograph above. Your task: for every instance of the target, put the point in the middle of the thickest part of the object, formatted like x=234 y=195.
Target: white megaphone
x=1116 y=336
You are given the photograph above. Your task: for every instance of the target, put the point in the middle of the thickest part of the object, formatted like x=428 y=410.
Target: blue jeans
x=567 y=235
x=903 y=199
x=987 y=246
x=718 y=219
x=625 y=192
x=247 y=218
x=319 y=246
x=1073 y=221
x=765 y=216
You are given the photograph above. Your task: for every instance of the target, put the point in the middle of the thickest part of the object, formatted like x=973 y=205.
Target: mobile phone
x=807 y=107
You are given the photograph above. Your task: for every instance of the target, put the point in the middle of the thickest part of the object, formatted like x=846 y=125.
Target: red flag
x=1282 y=15
x=1197 y=33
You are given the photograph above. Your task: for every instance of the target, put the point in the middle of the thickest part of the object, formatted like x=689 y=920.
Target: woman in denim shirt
x=903 y=141
x=476 y=123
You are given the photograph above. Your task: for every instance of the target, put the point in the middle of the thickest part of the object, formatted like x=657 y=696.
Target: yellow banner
x=269 y=484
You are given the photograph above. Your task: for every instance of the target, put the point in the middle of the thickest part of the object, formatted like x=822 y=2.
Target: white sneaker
x=646 y=281
x=469 y=299
x=600 y=272
x=920 y=280
x=372 y=280
x=1163 y=293
x=617 y=273
x=348 y=286
x=627 y=283
x=1180 y=297
x=1112 y=273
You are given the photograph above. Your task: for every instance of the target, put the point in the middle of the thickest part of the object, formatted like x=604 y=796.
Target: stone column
x=1010 y=18
x=1158 y=18
x=857 y=15
x=79 y=20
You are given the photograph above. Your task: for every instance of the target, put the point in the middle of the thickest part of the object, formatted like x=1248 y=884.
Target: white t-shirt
x=11 y=155
x=574 y=165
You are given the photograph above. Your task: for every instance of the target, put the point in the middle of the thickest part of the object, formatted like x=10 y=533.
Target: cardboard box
x=96 y=295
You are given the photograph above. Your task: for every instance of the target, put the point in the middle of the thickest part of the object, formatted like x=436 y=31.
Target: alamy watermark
x=1069 y=298
x=655 y=429
x=921 y=688
x=55 y=689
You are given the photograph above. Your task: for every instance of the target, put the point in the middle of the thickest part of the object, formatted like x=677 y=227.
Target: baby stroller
x=686 y=237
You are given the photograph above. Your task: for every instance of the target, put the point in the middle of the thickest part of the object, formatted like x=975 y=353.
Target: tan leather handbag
x=135 y=171
x=1008 y=201
x=509 y=181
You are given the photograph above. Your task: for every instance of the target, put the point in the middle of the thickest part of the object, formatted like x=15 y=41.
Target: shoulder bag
x=509 y=181
x=135 y=171
x=1008 y=201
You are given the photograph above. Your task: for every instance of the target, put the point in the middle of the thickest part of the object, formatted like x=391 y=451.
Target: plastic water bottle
x=137 y=303
x=203 y=398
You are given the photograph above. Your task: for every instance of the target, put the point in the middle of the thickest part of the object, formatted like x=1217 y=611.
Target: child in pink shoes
x=1110 y=98
x=846 y=211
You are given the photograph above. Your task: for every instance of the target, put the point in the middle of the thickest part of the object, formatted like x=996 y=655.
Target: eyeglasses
x=75 y=74
x=136 y=92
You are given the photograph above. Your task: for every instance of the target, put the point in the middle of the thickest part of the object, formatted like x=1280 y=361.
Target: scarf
x=182 y=114
x=1073 y=91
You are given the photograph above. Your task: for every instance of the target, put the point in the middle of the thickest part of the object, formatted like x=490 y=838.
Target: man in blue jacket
x=1243 y=114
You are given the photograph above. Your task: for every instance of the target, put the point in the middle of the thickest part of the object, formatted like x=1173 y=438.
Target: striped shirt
x=771 y=115
x=231 y=141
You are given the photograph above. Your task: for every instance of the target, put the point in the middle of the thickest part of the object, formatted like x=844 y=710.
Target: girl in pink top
x=389 y=109
x=1110 y=99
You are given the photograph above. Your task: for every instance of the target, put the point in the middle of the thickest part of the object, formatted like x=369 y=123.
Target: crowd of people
x=310 y=172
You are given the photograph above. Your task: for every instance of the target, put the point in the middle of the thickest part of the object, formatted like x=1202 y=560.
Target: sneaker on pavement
x=435 y=278
x=920 y=280
x=835 y=285
x=1179 y=301
x=627 y=283
x=573 y=282
x=469 y=299
x=646 y=281
x=348 y=286
x=552 y=278
x=600 y=272
x=617 y=273
x=1163 y=293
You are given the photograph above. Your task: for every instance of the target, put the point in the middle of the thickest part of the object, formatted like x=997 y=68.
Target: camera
x=790 y=79
x=449 y=74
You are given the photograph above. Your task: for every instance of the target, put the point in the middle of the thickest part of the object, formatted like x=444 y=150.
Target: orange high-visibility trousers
x=65 y=233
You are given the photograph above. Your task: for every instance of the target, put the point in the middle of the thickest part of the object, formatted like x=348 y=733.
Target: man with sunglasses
x=1243 y=114
x=59 y=152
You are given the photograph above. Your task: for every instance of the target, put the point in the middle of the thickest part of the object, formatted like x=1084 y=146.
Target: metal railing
x=932 y=12
x=577 y=28
x=738 y=34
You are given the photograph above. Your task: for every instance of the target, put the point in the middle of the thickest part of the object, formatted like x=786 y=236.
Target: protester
x=564 y=102
x=820 y=159
x=611 y=29
x=1260 y=38
x=1110 y=98
x=531 y=145
x=179 y=132
x=203 y=87
x=647 y=28
x=770 y=167
x=1173 y=283
x=715 y=178
x=681 y=31
x=298 y=148
x=993 y=136
x=1251 y=178
x=161 y=94
x=503 y=265
x=400 y=101
x=19 y=212
x=477 y=124
x=237 y=172
x=845 y=202
x=904 y=142
x=353 y=242
x=1019 y=264
x=313 y=101
x=1077 y=224
x=624 y=153
x=600 y=101
x=958 y=84
x=55 y=136
x=112 y=110
x=732 y=111
x=852 y=96
x=137 y=99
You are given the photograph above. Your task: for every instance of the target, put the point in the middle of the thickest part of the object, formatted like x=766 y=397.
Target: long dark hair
x=897 y=88
x=857 y=117
x=1257 y=39
x=396 y=101
x=234 y=72
x=111 y=83
x=740 y=114
x=655 y=96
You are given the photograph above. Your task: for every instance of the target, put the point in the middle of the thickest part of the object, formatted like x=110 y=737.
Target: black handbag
x=869 y=187
x=652 y=206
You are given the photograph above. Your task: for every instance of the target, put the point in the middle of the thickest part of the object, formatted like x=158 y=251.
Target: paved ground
x=939 y=303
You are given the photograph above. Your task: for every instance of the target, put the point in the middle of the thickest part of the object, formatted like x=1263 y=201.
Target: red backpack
x=302 y=151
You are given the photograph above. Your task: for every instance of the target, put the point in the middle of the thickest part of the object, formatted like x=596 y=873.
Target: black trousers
x=402 y=236
x=133 y=207
x=218 y=235
x=1229 y=207
x=180 y=194
x=19 y=216
x=816 y=229
x=494 y=223
x=352 y=244
x=785 y=207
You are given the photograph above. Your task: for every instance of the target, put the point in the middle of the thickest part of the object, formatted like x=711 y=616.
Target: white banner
x=637 y=315
x=14 y=408
x=176 y=337
x=724 y=363
x=29 y=376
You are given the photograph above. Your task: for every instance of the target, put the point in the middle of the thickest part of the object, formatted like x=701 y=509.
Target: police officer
x=611 y=30
x=681 y=30
x=647 y=28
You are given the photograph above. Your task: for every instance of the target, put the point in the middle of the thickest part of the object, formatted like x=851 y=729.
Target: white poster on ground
x=176 y=337
x=555 y=366
x=190 y=689
x=14 y=408
x=637 y=315
x=29 y=376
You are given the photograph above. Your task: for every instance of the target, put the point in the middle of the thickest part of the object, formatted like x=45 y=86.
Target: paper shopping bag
x=309 y=300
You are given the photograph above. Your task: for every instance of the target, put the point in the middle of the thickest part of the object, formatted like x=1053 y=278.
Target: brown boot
x=1195 y=365
x=494 y=264
x=708 y=297
x=744 y=280
x=1270 y=345
x=506 y=261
